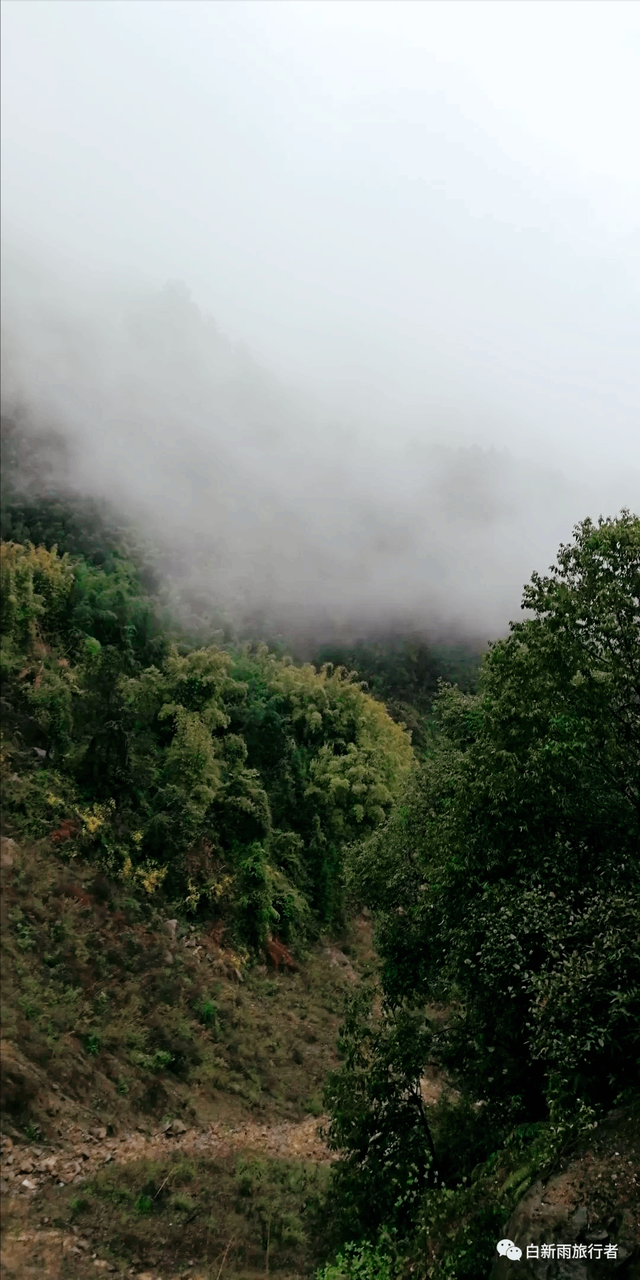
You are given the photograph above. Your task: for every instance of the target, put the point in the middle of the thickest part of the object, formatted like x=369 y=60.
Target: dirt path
x=27 y=1169
x=24 y=1169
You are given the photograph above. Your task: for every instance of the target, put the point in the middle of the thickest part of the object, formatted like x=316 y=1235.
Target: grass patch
x=117 y=1013
x=168 y=1213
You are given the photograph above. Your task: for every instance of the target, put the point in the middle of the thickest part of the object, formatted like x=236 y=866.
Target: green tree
x=378 y=1119
x=509 y=880
x=332 y=760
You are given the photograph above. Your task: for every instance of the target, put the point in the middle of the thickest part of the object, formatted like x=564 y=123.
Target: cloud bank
x=419 y=226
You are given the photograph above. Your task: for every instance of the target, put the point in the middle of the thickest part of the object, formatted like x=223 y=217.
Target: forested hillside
x=232 y=780
x=259 y=803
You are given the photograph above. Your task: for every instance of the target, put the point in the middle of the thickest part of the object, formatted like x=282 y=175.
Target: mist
x=329 y=298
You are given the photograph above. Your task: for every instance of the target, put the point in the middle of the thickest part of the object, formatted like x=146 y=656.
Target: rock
x=29 y=1184
x=171 y=926
x=8 y=851
x=175 y=1127
x=98 y=1133
x=339 y=959
x=593 y=1201
x=168 y=959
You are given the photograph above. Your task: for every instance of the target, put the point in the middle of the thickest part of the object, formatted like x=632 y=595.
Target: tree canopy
x=234 y=778
x=506 y=884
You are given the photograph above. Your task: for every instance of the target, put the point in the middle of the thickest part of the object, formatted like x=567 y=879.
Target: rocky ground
x=112 y=1161
x=592 y=1200
x=27 y=1170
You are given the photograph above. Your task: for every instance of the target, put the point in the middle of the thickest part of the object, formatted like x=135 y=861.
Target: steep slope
x=148 y=1153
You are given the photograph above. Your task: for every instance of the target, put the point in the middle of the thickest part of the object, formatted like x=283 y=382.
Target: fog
x=339 y=301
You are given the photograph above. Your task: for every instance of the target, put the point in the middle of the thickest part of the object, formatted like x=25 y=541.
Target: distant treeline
x=401 y=666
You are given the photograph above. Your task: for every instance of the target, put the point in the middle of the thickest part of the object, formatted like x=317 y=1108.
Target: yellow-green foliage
x=358 y=786
x=232 y=780
x=361 y=758
x=35 y=585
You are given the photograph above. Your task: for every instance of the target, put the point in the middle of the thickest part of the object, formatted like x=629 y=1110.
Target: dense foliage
x=404 y=671
x=507 y=886
x=233 y=779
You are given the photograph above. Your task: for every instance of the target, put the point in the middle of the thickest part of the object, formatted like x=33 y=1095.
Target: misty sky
x=423 y=216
